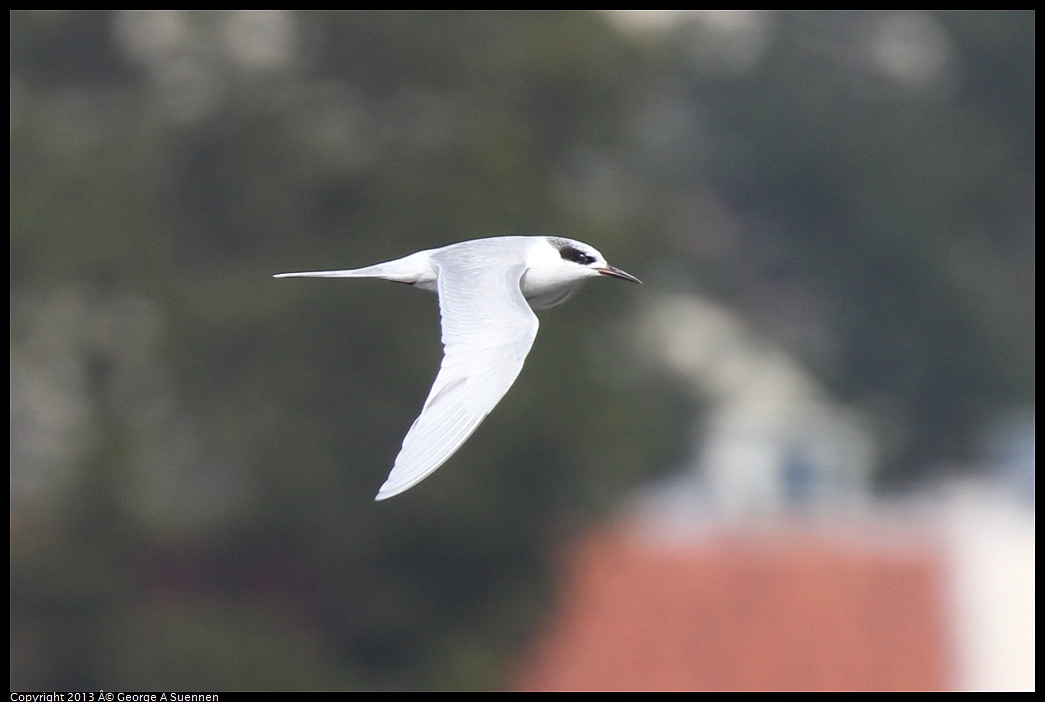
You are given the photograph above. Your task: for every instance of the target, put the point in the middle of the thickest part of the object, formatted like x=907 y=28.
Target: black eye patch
x=571 y=253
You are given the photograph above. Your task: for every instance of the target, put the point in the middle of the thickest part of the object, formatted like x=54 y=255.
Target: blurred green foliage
x=195 y=447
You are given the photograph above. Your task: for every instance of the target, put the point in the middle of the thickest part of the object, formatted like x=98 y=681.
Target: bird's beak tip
x=618 y=273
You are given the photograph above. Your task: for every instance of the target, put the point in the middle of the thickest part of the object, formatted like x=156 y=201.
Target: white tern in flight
x=486 y=289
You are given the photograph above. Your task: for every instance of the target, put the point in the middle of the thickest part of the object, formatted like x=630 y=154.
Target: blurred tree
x=878 y=170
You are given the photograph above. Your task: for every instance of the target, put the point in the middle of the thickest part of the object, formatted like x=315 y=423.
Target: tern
x=488 y=289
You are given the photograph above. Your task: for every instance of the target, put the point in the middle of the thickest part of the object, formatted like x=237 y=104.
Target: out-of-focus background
x=801 y=456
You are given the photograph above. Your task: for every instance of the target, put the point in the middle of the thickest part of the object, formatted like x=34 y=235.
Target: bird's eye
x=571 y=253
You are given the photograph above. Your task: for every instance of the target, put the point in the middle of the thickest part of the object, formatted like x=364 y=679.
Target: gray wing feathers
x=488 y=329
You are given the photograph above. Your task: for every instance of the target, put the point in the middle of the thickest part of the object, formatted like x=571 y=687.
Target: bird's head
x=558 y=267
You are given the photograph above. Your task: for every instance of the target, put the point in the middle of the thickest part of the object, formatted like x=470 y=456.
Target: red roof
x=781 y=608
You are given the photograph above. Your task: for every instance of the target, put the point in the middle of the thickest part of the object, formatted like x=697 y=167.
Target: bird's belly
x=550 y=297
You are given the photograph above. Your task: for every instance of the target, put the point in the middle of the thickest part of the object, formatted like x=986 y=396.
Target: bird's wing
x=488 y=328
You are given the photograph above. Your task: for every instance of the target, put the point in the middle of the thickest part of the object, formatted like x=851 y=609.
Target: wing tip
x=383 y=494
x=391 y=490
